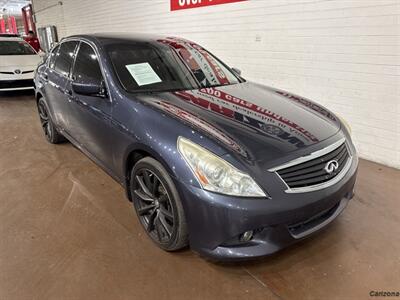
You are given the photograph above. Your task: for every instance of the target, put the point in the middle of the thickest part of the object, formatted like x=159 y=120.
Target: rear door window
x=65 y=57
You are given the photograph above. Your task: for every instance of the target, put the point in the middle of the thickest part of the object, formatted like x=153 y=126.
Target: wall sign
x=184 y=4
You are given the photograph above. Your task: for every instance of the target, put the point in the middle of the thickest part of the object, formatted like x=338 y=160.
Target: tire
x=158 y=205
x=50 y=131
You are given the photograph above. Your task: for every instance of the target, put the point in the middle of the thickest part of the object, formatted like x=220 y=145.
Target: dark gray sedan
x=232 y=168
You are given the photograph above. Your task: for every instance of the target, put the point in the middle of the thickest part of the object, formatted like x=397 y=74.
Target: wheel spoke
x=150 y=225
x=42 y=113
x=165 y=225
x=143 y=185
x=145 y=209
x=147 y=182
x=156 y=183
x=144 y=197
x=43 y=117
x=166 y=213
x=48 y=130
x=163 y=198
x=158 y=231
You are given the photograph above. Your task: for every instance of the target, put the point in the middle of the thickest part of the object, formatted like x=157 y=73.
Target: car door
x=57 y=77
x=89 y=120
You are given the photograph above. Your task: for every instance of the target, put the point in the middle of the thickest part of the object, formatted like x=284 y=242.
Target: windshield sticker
x=143 y=74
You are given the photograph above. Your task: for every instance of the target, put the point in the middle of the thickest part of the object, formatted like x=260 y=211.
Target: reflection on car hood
x=19 y=61
x=253 y=120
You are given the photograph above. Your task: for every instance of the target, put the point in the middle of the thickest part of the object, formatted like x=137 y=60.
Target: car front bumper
x=216 y=221
x=11 y=85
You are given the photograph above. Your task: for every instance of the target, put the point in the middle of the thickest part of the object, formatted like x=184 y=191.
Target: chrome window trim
x=312 y=156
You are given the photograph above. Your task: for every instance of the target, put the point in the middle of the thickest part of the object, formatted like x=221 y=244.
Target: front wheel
x=50 y=131
x=158 y=205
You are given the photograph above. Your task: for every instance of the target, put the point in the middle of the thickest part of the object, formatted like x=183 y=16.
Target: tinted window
x=52 y=57
x=15 y=48
x=168 y=64
x=65 y=57
x=87 y=68
x=170 y=72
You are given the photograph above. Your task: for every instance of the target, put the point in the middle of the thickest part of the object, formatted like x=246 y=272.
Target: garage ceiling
x=12 y=7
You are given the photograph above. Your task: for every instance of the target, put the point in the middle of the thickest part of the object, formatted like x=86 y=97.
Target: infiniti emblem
x=331 y=166
x=17 y=71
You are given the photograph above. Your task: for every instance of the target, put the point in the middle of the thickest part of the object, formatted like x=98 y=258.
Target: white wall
x=344 y=54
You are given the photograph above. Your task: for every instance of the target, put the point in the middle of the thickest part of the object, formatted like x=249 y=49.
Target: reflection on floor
x=67 y=232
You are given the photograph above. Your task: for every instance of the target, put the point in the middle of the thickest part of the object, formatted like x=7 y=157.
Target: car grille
x=4 y=84
x=298 y=229
x=12 y=73
x=312 y=172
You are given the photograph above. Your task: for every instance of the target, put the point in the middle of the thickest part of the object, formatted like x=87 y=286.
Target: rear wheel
x=50 y=131
x=158 y=205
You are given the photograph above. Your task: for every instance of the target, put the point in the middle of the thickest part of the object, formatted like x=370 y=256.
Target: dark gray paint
x=109 y=129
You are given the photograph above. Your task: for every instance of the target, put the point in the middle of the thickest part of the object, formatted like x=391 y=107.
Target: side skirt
x=92 y=157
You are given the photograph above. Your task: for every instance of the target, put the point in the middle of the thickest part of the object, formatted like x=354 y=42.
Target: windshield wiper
x=163 y=91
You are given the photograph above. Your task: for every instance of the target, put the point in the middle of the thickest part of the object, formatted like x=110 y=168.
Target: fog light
x=247 y=236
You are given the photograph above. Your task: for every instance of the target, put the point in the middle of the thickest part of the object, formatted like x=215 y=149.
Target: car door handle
x=45 y=77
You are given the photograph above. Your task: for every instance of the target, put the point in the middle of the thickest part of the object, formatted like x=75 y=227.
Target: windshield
x=15 y=48
x=169 y=65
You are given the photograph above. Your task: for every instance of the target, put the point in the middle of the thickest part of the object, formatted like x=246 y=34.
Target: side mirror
x=89 y=89
x=237 y=71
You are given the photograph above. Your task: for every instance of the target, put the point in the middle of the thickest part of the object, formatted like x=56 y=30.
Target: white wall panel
x=344 y=54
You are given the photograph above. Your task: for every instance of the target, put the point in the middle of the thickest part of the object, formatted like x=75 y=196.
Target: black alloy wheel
x=44 y=120
x=157 y=205
x=50 y=132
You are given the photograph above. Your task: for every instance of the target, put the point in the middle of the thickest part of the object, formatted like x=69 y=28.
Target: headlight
x=345 y=123
x=216 y=174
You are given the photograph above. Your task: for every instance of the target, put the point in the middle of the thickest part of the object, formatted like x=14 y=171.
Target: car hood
x=10 y=62
x=253 y=120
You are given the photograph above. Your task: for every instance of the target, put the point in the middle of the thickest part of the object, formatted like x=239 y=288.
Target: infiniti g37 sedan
x=232 y=168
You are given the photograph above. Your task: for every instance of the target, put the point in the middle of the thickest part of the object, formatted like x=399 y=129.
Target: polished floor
x=67 y=232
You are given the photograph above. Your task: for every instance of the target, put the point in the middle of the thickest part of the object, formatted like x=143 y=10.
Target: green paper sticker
x=143 y=73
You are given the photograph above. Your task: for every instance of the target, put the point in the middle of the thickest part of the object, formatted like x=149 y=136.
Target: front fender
x=156 y=133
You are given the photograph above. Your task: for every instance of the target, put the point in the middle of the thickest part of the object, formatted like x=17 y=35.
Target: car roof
x=107 y=38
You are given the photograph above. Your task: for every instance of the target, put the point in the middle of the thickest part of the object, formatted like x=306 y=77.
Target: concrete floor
x=67 y=232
